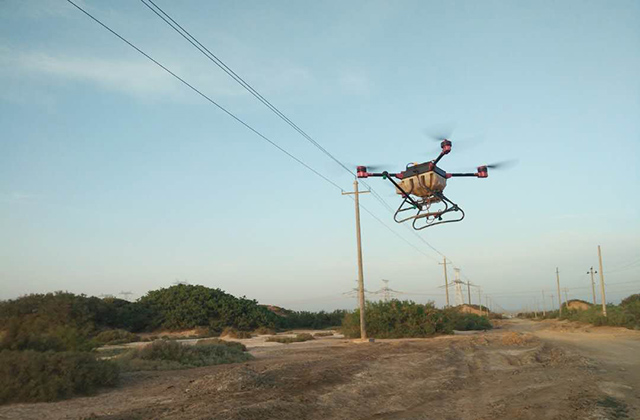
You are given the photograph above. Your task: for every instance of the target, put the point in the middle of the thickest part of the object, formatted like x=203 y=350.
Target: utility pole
x=469 y=291
x=559 y=295
x=363 y=328
x=552 y=301
x=593 y=284
x=544 y=305
x=604 y=299
x=446 y=281
x=480 y=299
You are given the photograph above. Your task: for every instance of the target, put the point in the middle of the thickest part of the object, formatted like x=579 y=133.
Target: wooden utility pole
x=544 y=306
x=604 y=299
x=446 y=280
x=559 y=295
x=363 y=327
x=593 y=285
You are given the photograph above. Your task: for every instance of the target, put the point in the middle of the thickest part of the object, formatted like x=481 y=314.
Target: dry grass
x=517 y=339
x=264 y=331
x=233 y=333
x=288 y=339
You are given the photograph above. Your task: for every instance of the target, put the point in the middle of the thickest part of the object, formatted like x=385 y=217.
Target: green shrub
x=288 y=339
x=167 y=355
x=32 y=376
x=115 y=337
x=264 y=331
x=399 y=319
x=630 y=300
x=187 y=306
x=311 y=320
x=324 y=334
x=466 y=322
x=35 y=333
x=627 y=314
x=233 y=333
x=232 y=344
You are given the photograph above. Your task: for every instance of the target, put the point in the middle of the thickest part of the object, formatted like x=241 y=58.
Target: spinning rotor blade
x=376 y=167
x=440 y=132
x=502 y=165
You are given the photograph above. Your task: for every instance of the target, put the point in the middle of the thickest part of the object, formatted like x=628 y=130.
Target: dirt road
x=523 y=370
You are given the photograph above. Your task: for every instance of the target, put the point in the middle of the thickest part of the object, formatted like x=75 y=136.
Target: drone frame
x=423 y=204
x=423 y=207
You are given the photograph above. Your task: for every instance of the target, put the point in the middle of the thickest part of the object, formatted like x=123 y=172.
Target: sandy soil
x=523 y=370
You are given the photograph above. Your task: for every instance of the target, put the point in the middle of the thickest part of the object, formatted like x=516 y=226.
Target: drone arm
x=483 y=172
x=475 y=174
x=440 y=156
x=364 y=174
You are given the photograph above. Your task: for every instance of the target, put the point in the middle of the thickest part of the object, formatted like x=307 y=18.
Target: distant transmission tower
x=126 y=294
x=386 y=292
x=179 y=282
x=354 y=292
x=458 y=283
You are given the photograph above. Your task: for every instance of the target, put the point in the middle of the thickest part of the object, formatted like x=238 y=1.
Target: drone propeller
x=376 y=167
x=379 y=167
x=503 y=164
x=464 y=143
x=440 y=132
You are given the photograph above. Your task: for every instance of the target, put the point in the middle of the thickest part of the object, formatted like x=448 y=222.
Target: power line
x=190 y=86
x=246 y=125
x=238 y=79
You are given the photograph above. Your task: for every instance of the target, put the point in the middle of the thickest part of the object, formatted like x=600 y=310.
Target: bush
x=115 y=337
x=187 y=306
x=233 y=333
x=288 y=339
x=312 y=320
x=35 y=333
x=232 y=344
x=32 y=376
x=264 y=331
x=324 y=334
x=167 y=355
x=630 y=300
x=467 y=322
x=399 y=319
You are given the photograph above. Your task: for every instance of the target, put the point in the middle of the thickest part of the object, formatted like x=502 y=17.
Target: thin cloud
x=17 y=197
x=355 y=82
x=141 y=78
x=128 y=76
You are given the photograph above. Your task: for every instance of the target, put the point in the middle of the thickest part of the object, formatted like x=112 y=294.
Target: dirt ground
x=521 y=370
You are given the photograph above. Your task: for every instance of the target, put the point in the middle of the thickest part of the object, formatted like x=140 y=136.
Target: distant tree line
x=65 y=321
x=626 y=314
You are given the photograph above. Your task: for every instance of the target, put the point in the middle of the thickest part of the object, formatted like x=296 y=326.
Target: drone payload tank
x=422 y=180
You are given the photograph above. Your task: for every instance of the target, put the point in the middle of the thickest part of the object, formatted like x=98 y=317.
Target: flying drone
x=421 y=186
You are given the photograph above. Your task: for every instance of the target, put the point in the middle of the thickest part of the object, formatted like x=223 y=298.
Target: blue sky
x=114 y=177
